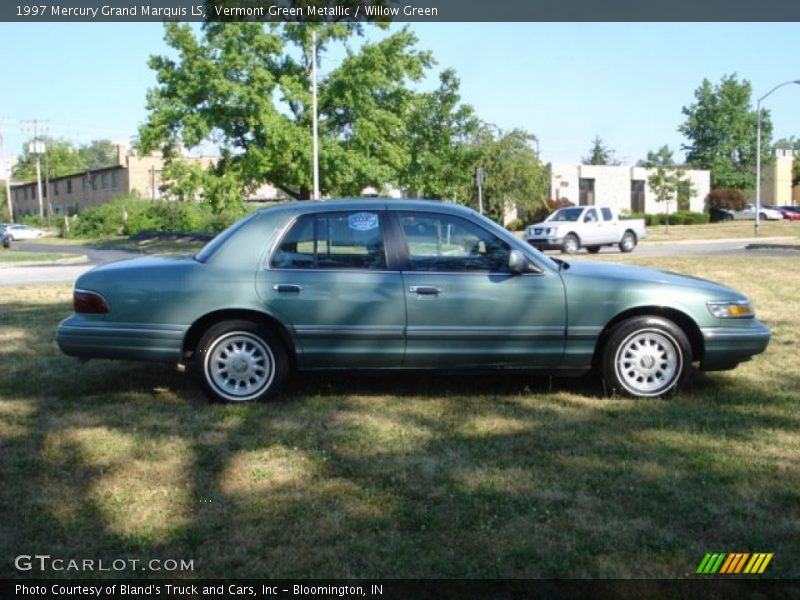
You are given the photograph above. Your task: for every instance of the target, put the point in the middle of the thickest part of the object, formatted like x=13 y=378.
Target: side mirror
x=517 y=263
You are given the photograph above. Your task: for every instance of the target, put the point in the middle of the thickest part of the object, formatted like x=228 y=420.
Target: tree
x=667 y=180
x=721 y=128
x=600 y=154
x=98 y=154
x=440 y=160
x=245 y=87
x=62 y=159
x=514 y=175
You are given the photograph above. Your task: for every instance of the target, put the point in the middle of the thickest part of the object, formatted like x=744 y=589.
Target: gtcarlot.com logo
x=734 y=563
x=45 y=562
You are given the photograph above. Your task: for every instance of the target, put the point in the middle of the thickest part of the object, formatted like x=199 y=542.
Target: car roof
x=312 y=206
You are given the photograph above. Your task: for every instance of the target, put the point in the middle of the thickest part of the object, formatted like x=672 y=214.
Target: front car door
x=329 y=278
x=465 y=308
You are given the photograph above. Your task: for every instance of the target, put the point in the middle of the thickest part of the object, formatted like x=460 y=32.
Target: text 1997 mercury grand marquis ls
x=388 y=284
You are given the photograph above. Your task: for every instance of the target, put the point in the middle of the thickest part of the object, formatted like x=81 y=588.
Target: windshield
x=566 y=214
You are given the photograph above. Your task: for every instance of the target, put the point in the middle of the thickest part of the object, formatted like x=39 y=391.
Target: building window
x=94 y=182
x=115 y=180
x=69 y=186
x=637 y=195
x=586 y=195
x=55 y=188
x=104 y=180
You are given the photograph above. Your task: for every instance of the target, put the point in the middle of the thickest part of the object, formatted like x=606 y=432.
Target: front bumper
x=83 y=338
x=726 y=347
x=546 y=243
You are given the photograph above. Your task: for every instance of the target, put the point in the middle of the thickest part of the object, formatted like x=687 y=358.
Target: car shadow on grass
x=400 y=475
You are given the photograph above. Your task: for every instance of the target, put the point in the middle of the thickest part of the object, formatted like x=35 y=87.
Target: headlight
x=731 y=309
x=551 y=231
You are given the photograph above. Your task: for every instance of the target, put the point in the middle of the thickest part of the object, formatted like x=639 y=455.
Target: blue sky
x=564 y=82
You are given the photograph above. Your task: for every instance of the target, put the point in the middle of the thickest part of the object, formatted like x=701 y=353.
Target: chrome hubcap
x=240 y=366
x=648 y=362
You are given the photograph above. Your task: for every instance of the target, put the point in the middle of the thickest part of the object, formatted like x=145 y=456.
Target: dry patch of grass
x=401 y=476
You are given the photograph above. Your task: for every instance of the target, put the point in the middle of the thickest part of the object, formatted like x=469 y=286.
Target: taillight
x=84 y=301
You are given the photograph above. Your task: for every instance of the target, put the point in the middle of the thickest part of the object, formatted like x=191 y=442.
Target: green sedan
x=401 y=284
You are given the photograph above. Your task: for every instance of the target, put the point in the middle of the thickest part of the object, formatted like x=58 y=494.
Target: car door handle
x=424 y=290
x=287 y=287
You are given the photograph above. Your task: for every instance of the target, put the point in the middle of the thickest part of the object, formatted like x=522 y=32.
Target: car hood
x=629 y=275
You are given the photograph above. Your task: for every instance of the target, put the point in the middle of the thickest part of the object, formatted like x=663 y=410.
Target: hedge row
x=683 y=217
x=129 y=216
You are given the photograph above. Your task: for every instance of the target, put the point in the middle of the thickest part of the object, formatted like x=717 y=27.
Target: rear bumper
x=726 y=347
x=129 y=341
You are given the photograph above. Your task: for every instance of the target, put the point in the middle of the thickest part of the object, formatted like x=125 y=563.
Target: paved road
x=30 y=275
x=38 y=274
x=704 y=248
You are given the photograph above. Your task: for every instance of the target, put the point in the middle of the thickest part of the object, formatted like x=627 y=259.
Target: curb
x=63 y=262
x=794 y=247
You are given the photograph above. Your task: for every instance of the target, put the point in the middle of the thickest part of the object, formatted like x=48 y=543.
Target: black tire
x=762 y=216
x=593 y=249
x=647 y=357
x=728 y=217
x=240 y=361
x=628 y=242
x=571 y=244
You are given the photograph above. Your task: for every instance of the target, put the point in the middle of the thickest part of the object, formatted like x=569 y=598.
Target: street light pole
x=758 y=150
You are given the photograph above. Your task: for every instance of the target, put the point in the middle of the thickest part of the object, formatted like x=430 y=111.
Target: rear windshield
x=219 y=240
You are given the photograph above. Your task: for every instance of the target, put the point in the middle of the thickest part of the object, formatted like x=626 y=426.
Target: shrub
x=725 y=198
x=515 y=225
x=131 y=215
x=677 y=218
x=33 y=220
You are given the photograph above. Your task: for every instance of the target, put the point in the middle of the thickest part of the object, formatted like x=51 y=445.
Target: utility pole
x=314 y=135
x=36 y=147
x=5 y=167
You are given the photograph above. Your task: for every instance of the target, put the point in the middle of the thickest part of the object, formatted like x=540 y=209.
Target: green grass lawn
x=401 y=476
x=10 y=257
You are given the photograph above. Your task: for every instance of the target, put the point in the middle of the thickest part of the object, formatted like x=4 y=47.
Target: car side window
x=607 y=216
x=590 y=217
x=340 y=240
x=450 y=243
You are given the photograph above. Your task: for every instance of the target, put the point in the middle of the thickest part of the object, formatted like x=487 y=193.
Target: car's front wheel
x=240 y=361
x=647 y=357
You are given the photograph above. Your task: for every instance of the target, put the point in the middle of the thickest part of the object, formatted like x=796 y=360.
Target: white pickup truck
x=570 y=229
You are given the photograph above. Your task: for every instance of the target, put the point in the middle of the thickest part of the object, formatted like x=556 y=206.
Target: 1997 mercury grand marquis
x=396 y=284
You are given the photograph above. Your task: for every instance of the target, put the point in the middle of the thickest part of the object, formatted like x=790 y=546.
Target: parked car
x=786 y=213
x=749 y=212
x=575 y=227
x=388 y=284
x=22 y=232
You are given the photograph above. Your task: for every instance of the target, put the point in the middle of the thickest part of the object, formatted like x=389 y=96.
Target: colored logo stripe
x=734 y=563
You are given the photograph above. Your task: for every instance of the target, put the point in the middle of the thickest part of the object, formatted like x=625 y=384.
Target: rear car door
x=465 y=308
x=329 y=278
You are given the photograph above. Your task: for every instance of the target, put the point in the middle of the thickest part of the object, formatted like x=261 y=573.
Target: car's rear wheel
x=593 y=249
x=240 y=361
x=647 y=357
x=571 y=244
x=628 y=242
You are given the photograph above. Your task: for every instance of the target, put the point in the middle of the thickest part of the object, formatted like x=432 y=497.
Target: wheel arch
x=201 y=325
x=633 y=233
x=681 y=319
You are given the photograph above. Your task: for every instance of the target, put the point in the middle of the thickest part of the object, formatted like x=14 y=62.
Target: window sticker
x=363 y=221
